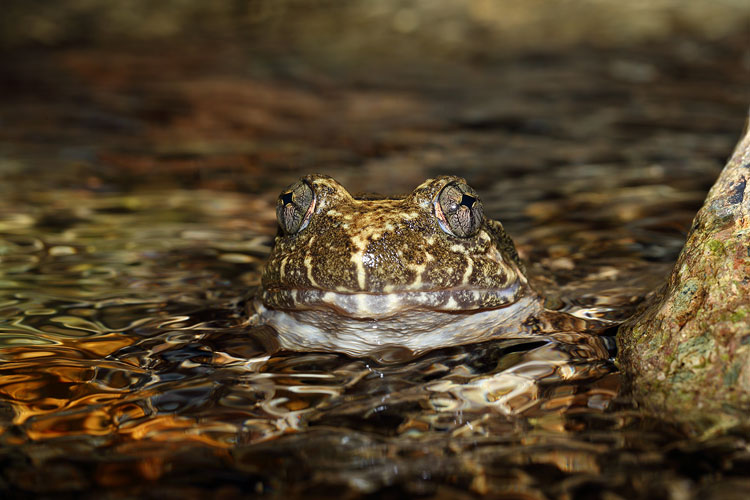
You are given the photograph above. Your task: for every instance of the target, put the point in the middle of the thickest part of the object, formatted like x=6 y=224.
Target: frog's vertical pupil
x=287 y=198
x=467 y=200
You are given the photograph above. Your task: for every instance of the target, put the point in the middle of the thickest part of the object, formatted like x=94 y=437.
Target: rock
x=687 y=351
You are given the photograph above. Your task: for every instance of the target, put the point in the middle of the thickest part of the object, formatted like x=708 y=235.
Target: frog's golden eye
x=459 y=210
x=295 y=207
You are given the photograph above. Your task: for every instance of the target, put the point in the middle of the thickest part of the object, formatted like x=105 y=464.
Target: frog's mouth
x=377 y=325
x=387 y=304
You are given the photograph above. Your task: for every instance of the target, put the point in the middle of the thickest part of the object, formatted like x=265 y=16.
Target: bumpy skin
x=372 y=273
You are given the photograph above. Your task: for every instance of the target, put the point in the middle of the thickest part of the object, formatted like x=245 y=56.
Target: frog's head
x=372 y=258
x=368 y=257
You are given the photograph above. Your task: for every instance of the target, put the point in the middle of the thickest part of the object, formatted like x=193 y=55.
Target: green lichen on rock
x=687 y=350
x=738 y=316
x=716 y=247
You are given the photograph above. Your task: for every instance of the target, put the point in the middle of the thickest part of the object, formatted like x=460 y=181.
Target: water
x=137 y=209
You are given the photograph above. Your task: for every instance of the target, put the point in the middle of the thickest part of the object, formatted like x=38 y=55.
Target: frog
x=390 y=277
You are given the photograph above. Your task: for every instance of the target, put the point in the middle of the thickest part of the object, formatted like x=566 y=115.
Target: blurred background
x=142 y=148
x=218 y=94
x=437 y=28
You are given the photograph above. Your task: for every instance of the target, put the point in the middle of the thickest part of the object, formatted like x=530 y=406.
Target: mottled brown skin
x=369 y=258
x=400 y=235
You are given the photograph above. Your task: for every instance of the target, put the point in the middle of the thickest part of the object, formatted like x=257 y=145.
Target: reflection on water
x=126 y=353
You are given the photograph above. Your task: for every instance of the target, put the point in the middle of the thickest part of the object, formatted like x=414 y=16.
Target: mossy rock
x=687 y=351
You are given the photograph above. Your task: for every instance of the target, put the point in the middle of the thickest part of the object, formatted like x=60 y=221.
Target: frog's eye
x=295 y=206
x=459 y=210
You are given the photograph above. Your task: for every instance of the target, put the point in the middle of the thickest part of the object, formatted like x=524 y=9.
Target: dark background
x=249 y=94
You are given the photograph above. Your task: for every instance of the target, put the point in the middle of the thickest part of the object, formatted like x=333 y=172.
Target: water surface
x=138 y=206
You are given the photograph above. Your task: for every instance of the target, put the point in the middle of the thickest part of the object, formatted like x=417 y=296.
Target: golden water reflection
x=126 y=353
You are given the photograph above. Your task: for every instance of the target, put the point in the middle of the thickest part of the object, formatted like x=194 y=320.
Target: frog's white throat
x=416 y=330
